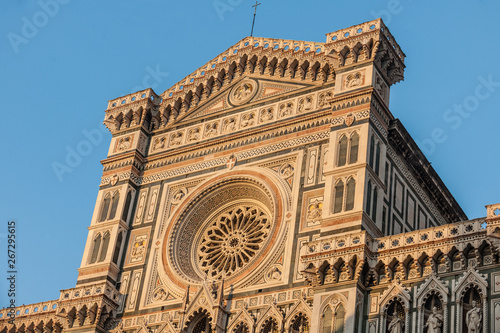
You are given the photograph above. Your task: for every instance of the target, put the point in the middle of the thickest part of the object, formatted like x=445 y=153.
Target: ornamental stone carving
x=159 y=143
x=211 y=129
x=286 y=109
x=235 y=236
x=354 y=80
x=193 y=134
x=243 y=92
x=305 y=104
x=124 y=143
x=223 y=229
x=159 y=294
x=248 y=119
x=266 y=115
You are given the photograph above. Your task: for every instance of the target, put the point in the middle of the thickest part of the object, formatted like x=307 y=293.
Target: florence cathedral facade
x=272 y=190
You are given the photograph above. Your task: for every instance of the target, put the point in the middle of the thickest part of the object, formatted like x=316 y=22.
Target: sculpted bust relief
x=243 y=92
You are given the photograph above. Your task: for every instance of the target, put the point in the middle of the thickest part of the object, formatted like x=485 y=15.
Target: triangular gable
x=219 y=103
x=396 y=289
x=471 y=277
x=241 y=316
x=271 y=311
x=299 y=306
x=167 y=328
x=433 y=282
x=142 y=328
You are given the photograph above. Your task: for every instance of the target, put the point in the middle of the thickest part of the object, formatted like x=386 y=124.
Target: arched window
x=118 y=246
x=105 y=244
x=339 y=194
x=114 y=205
x=377 y=158
x=342 y=151
x=127 y=206
x=108 y=212
x=95 y=249
x=300 y=324
x=339 y=319
x=369 y=197
x=348 y=149
x=203 y=325
x=241 y=328
x=270 y=326
x=105 y=207
x=372 y=151
x=351 y=191
x=327 y=320
x=374 y=209
x=353 y=152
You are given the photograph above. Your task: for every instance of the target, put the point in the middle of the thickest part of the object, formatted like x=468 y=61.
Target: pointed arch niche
x=395 y=303
x=471 y=287
x=432 y=293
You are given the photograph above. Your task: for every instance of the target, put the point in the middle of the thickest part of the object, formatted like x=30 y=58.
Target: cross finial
x=254 y=13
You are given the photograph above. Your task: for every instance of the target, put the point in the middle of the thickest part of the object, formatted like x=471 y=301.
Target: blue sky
x=60 y=64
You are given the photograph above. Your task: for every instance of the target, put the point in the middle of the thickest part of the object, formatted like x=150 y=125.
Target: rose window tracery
x=224 y=229
x=232 y=240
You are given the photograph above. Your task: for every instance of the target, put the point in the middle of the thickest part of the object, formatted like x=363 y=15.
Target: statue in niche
x=474 y=318
x=434 y=322
x=396 y=314
x=396 y=325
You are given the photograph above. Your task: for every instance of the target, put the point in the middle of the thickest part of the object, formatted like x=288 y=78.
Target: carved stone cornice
x=300 y=61
x=91 y=307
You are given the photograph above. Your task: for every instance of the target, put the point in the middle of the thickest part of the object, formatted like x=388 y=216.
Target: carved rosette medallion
x=243 y=92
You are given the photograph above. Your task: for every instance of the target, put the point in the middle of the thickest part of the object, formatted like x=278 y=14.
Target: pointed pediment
x=396 y=289
x=271 y=311
x=167 y=328
x=241 y=316
x=244 y=91
x=471 y=277
x=299 y=306
x=433 y=282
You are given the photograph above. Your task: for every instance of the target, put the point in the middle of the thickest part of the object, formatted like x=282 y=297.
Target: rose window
x=224 y=230
x=232 y=240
